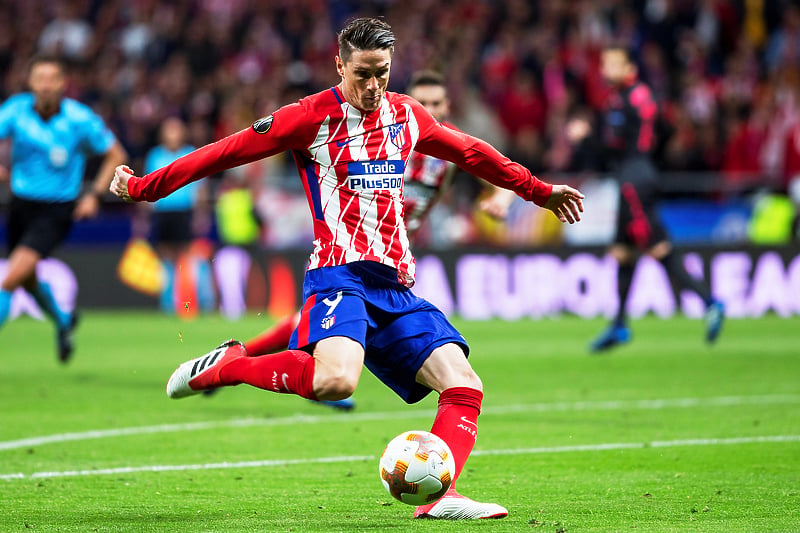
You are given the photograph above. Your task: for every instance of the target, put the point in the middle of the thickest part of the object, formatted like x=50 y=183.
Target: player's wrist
x=94 y=193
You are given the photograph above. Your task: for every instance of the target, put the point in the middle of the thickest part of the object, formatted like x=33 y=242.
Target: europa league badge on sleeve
x=262 y=125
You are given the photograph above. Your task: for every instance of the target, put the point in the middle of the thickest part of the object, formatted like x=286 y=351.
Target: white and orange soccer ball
x=417 y=467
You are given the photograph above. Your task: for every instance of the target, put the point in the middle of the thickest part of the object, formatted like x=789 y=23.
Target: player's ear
x=340 y=66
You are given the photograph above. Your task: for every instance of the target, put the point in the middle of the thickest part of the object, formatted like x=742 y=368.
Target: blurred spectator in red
x=742 y=152
x=522 y=105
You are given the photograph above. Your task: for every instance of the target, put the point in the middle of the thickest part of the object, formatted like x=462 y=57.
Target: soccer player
x=628 y=135
x=51 y=137
x=424 y=181
x=173 y=216
x=351 y=144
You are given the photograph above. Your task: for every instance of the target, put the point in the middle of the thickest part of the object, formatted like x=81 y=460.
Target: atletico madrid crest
x=328 y=322
x=397 y=135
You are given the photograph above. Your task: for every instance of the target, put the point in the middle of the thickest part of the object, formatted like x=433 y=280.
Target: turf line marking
x=356 y=458
x=611 y=405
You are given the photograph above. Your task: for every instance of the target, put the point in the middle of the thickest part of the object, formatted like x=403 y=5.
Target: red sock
x=291 y=371
x=456 y=422
x=275 y=339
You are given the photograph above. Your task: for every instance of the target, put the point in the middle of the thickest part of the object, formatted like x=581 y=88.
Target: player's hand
x=119 y=185
x=4 y=174
x=577 y=130
x=496 y=205
x=87 y=207
x=566 y=203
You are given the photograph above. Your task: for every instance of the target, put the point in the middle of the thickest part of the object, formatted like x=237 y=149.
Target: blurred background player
x=239 y=226
x=178 y=217
x=51 y=137
x=627 y=138
x=425 y=179
x=351 y=144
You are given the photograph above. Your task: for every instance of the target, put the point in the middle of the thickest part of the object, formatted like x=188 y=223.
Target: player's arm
x=265 y=138
x=480 y=159
x=7 y=116
x=89 y=203
x=646 y=110
x=497 y=203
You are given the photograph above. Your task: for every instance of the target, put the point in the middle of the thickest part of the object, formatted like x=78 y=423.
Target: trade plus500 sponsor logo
x=381 y=174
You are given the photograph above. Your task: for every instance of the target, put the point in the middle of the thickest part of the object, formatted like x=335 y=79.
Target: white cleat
x=196 y=375
x=453 y=506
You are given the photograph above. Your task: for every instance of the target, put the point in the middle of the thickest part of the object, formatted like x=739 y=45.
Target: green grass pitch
x=665 y=434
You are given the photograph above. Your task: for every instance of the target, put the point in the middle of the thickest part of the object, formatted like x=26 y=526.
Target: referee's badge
x=262 y=125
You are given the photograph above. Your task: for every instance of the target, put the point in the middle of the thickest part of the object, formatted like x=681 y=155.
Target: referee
x=51 y=137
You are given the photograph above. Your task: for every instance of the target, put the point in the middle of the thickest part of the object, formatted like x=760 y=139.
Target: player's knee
x=336 y=387
x=469 y=379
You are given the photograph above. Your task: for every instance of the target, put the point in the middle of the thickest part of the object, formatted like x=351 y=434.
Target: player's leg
x=20 y=265
x=331 y=374
x=618 y=331
x=49 y=226
x=673 y=263
x=172 y=235
x=414 y=352
x=21 y=269
x=275 y=338
x=448 y=372
x=166 y=300
x=636 y=229
x=43 y=295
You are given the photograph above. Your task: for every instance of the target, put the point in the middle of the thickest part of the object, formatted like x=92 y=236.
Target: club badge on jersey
x=397 y=135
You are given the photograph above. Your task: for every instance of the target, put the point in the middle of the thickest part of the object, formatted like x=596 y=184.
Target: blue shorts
x=365 y=302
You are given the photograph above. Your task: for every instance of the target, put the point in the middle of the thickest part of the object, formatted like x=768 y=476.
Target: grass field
x=665 y=434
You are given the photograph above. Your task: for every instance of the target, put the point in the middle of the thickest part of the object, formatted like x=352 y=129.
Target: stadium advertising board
x=510 y=286
x=477 y=285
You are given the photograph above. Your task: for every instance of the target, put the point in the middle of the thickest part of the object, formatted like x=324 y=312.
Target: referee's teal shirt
x=48 y=157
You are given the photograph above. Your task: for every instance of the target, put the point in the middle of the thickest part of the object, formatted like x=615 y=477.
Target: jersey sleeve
x=97 y=137
x=7 y=113
x=283 y=130
x=646 y=110
x=478 y=157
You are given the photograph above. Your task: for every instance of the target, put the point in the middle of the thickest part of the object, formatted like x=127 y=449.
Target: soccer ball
x=417 y=467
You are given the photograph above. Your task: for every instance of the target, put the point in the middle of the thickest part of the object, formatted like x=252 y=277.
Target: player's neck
x=47 y=110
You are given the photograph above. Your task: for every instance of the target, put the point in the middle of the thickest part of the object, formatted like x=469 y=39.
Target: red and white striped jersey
x=352 y=165
x=424 y=182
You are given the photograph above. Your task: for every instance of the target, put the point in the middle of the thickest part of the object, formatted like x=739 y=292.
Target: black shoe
x=65 y=344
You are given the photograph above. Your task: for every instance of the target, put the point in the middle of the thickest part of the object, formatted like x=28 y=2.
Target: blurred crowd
x=725 y=72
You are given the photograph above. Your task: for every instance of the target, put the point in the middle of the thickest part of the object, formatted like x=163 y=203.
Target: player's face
x=47 y=83
x=615 y=66
x=173 y=133
x=434 y=99
x=365 y=77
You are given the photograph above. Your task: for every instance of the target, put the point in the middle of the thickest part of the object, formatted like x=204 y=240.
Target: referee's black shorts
x=172 y=227
x=638 y=224
x=39 y=225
